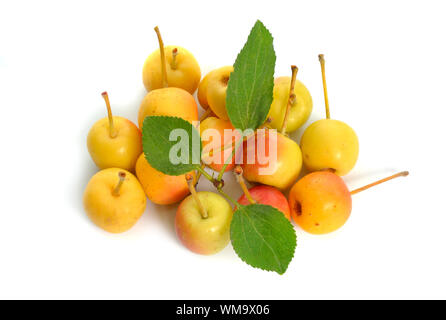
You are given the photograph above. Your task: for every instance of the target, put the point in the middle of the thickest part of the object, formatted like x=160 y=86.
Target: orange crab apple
x=219 y=139
x=321 y=203
x=271 y=158
x=173 y=102
x=161 y=188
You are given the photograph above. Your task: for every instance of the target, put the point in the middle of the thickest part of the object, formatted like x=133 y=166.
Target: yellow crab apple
x=114 y=200
x=203 y=91
x=165 y=100
x=328 y=143
x=114 y=141
x=292 y=94
x=181 y=68
x=216 y=91
x=202 y=96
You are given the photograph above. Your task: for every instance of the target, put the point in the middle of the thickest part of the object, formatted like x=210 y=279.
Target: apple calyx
x=201 y=208
x=117 y=189
x=291 y=98
x=238 y=172
x=163 y=57
x=112 y=131
x=324 y=83
x=396 y=175
x=218 y=184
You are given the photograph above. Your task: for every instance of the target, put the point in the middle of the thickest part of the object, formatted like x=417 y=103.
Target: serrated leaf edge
x=236 y=65
x=166 y=117
x=291 y=258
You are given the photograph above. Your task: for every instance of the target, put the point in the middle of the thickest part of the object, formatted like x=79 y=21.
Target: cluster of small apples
x=320 y=202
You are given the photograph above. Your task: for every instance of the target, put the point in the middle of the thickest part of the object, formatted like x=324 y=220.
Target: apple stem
x=174 y=58
x=399 y=174
x=291 y=98
x=112 y=129
x=205 y=114
x=163 y=57
x=201 y=208
x=324 y=82
x=238 y=171
x=204 y=173
x=199 y=173
x=117 y=189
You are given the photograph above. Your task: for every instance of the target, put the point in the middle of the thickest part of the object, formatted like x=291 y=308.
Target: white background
x=386 y=66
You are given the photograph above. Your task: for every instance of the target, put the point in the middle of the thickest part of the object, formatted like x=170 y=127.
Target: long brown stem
x=117 y=189
x=163 y=57
x=291 y=98
x=238 y=171
x=112 y=130
x=324 y=82
x=399 y=174
x=201 y=208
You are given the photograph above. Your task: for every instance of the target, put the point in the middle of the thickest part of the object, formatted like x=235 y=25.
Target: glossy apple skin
x=330 y=144
x=269 y=196
x=220 y=126
x=320 y=202
x=172 y=102
x=216 y=91
x=286 y=168
x=161 y=188
x=203 y=90
x=300 y=110
x=121 y=151
x=114 y=214
x=204 y=236
x=186 y=75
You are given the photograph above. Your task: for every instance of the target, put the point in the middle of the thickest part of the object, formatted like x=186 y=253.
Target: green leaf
x=171 y=145
x=263 y=237
x=250 y=87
